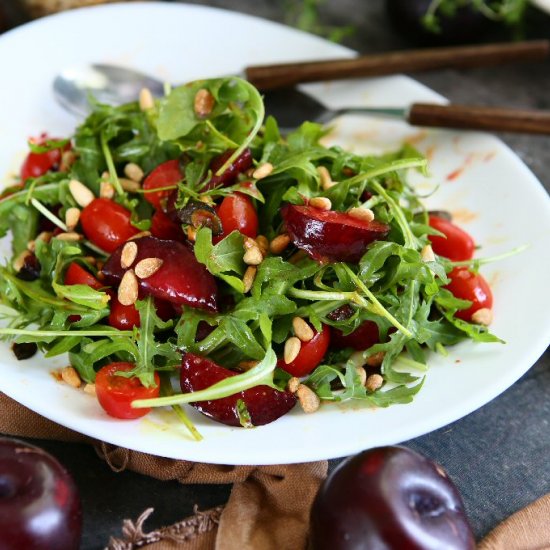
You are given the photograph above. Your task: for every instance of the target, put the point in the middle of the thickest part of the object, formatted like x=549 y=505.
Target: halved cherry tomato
x=467 y=285
x=458 y=245
x=77 y=275
x=37 y=164
x=116 y=393
x=107 y=224
x=363 y=337
x=165 y=174
x=310 y=355
x=237 y=212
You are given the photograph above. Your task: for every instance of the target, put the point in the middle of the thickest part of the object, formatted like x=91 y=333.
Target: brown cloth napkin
x=268 y=508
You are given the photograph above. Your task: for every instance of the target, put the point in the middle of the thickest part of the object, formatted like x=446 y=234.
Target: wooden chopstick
x=267 y=77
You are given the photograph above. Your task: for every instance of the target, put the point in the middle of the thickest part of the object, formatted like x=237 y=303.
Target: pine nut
x=302 y=330
x=362 y=374
x=45 y=236
x=146 y=100
x=374 y=382
x=72 y=216
x=309 y=400
x=483 y=316
x=362 y=214
x=81 y=194
x=321 y=203
x=375 y=360
x=427 y=254
x=139 y=235
x=324 y=175
x=279 y=243
x=67 y=160
x=263 y=244
x=248 y=278
x=69 y=236
x=129 y=185
x=263 y=171
x=128 y=255
x=147 y=267
x=128 y=289
x=19 y=262
x=253 y=256
x=191 y=233
x=106 y=190
x=292 y=348
x=89 y=389
x=71 y=377
x=204 y=103
x=247 y=365
x=133 y=172
x=293 y=384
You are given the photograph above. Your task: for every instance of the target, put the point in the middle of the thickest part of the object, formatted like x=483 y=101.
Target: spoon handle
x=267 y=77
x=479 y=118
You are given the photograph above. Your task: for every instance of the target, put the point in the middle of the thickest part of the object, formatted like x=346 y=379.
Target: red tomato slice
x=237 y=212
x=458 y=245
x=116 y=393
x=107 y=224
x=310 y=355
x=77 y=275
x=165 y=174
x=467 y=285
x=37 y=164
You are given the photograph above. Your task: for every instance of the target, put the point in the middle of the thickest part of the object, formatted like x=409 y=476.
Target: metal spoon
x=117 y=85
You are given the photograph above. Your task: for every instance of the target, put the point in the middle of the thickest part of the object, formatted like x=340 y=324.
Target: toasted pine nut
x=106 y=190
x=129 y=185
x=326 y=180
x=321 y=203
x=253 y=256
x=362 y=373
x=72 y=215
x=133 y=172
x=67 y=160
x=427 y=254
x=374 y=382
x=204 y=103
x=45 y=236
x=128 y=289
x=375 y=360
x=263 y=171
x=293 y=384
x=128 y=254
x=146 y=100
x=191 y=233
x=302 y=330
x=483 y=316
x=89 y=389
x=263 y=244
x=147 y=267
x=247 y=365
x=292 y=348
x=139 y=235
x=19 y=262
x=363 y=214
x=279 y=243
x=71 y=377
x=81 y=194
x=308 y=399
x=249 y=276
x=69 y=236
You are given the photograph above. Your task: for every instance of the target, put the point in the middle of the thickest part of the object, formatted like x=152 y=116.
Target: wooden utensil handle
x=479 y=118
x=267 y=77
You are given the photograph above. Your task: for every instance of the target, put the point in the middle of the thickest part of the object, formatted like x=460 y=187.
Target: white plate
x=542 y=4
x=495 y=196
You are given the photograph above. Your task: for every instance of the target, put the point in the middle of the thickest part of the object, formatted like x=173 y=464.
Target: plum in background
x=39 y=503
x=389 y=498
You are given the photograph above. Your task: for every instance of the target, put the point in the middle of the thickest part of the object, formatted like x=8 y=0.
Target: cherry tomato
x=363 y=337
x=470 y=286
x=37 y=164
x=77 y=275
x=116 y=393
x=163 y=227
x=165 y=174
x=310 y=355
x=237 y=212
x=458 y=245
x=107 y=224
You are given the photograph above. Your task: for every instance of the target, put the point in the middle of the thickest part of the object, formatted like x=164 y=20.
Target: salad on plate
x=183 y=251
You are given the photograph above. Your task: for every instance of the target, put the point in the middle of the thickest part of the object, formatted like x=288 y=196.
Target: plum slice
x=181 y=279
x=264 y=403
x=330 y=236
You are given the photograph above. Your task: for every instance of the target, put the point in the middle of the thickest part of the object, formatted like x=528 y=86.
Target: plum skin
x=389 y=498
x=40 y=505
